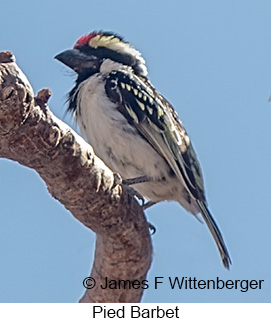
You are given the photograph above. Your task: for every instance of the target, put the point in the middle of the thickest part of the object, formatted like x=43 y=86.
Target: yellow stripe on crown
x=111 y=42
x=114 y=43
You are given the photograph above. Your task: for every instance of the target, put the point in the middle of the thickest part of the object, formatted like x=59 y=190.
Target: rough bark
x=31 y=135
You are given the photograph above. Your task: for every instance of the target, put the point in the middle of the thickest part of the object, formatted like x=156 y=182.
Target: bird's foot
x=118 y=181
x=131 y=181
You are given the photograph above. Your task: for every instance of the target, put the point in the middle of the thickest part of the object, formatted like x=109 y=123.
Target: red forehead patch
x=84 y=40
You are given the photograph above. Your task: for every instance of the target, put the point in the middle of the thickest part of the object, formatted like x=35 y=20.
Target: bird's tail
x=212 y=226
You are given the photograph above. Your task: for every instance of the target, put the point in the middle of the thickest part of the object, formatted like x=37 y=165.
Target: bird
x=133 y=128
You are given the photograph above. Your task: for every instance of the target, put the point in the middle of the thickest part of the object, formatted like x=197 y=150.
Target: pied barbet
x=133 y=128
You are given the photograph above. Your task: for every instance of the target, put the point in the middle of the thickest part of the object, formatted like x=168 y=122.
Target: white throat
x=108 y=66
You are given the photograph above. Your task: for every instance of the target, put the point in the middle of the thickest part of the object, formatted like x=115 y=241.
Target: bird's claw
x=137 y=195
x=117 y=179
x=148 y=204
x=152 y=228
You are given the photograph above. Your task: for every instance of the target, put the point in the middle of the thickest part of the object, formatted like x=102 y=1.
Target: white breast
x=116 y=142
x=119 y=144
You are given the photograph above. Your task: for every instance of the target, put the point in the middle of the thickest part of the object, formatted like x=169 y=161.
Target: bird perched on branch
x=133 y=128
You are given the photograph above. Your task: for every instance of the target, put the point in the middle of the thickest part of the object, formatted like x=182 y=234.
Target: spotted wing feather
x=158 y=123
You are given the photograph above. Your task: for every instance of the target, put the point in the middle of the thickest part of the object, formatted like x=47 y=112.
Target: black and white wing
x=156 y=120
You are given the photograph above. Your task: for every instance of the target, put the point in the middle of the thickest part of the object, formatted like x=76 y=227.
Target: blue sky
x=212 y=61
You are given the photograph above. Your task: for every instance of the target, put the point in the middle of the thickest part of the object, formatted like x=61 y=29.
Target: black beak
x=78 y=61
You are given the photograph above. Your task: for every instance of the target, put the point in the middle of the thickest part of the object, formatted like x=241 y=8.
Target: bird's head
x=91 y=50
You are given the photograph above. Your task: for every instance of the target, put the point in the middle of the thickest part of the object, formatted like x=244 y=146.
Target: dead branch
x=31 y=135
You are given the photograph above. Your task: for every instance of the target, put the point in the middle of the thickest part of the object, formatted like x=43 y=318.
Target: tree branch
x=31 y=135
